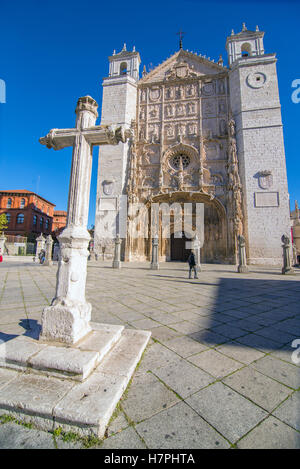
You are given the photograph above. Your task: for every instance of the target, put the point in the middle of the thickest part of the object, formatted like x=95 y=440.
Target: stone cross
x=154 y=263
x=40 y=244
x=287 y=268
x=48 y=256
x=117 y=254
x=242 y=267
x=67 y=319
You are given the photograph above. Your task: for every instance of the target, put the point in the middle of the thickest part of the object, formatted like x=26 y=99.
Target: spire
x=180 y=34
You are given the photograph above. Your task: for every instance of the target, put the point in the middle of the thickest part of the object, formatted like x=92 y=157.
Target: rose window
x=175 y=161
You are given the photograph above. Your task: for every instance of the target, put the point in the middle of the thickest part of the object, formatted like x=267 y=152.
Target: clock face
x=256 y=79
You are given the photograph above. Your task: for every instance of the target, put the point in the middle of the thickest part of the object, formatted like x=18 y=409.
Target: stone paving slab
x=14 y=436
x=226 y=410
x=271 y=434
x=179 y=427
x=263 y=305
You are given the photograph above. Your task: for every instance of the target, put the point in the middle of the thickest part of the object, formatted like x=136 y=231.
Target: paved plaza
x=217 y=373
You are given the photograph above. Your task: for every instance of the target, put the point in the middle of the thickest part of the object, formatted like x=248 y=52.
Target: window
x=8 y=203
x=34 y=220
x=123 y=68
x=47 y=224
x=8 y=217
x=246 y=50
x=177 y=159
x=22 y=204
x=41 y=222
x=20 y=218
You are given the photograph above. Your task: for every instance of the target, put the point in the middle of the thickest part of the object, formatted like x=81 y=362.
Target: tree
x=3 y=222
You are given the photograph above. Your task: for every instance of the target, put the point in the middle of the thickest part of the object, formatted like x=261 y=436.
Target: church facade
x=202 y=133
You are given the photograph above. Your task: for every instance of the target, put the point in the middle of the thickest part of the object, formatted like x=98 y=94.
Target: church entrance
x=178 y=248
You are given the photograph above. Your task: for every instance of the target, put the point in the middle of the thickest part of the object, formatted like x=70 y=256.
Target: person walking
x=42 y=255
x=192 y=265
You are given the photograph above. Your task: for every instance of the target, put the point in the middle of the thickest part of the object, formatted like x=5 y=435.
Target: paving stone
x=271 y=434
x=179 y=427
x=279 y=370
x=127 y=439
x=215 y=363
x=226 y=410
x=209 y=338
x=183 y=377
x=240 y=352
x=147 y=396
x=289 y=411
x=185 y=346
x=164 y=333
x=258 y=342
x=260 y=389
x=117 y=423
x=228 y=330
x=155 y=357
x=13 y=436
x=277 y=335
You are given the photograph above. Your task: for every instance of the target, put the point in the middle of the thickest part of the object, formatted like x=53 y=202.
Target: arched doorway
x=179 y=247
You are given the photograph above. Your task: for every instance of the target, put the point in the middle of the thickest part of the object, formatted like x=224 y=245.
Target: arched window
x=22 y=203
x=20 y=218
x=34 y=220
x=246 y=50
x=8 y=217
x=41 y=222
x=123 y=68
x=8 y=203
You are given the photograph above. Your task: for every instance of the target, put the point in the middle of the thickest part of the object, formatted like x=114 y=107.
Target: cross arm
x=59 y=138
x=106 y=134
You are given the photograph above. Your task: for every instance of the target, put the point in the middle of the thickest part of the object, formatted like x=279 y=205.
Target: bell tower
x=255 y=105
x=118 y=108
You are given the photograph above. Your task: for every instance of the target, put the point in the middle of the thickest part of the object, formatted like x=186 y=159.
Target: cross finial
x=180 y=33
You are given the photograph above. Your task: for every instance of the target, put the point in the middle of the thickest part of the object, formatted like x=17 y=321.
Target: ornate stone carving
x=180 y=70
x=265 y=179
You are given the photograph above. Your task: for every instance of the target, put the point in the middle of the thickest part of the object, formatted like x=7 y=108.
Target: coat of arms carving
x=265 y=179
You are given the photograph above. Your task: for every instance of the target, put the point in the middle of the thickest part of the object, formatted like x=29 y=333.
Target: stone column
x=242 y=267
x=40 y=244
x=287 y=268
x=154 y=263
x=2 y=242
x=117 y=253
x=48 y=256
x=196 y=249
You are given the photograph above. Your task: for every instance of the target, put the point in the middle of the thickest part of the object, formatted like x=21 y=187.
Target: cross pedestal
x=117 y=253
x=154 y=262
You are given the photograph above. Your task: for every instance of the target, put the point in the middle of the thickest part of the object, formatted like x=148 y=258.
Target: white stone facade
x=202 y=132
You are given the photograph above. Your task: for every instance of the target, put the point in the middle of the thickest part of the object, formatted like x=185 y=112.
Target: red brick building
x=59 y=221
x=27 y=213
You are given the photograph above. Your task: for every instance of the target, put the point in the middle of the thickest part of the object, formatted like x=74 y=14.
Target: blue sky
x=51 y=53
